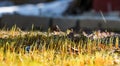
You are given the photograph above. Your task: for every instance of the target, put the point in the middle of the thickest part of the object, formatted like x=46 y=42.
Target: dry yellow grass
x=51 y=51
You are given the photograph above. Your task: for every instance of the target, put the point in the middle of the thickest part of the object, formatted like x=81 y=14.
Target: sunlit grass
x=49 y=50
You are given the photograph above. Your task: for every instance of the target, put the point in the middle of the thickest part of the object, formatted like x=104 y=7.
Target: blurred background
x=82 y=14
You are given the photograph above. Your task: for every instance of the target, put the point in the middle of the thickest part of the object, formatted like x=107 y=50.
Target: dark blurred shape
x=71 y=34
x=25 y=22
x=49 y=0
x=79 y=6
x=106 y=5
x=55 y=28
x=19 y=2
x=6 y=3
x=76 y=28
x=27 y=49
x=116 y=50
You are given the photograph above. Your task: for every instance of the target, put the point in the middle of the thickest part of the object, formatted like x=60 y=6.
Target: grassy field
x=34 y=48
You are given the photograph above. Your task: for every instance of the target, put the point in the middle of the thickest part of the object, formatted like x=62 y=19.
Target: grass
x=34 y=48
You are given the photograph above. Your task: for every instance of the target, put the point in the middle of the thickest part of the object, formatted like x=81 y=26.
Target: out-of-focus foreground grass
x=34 y=48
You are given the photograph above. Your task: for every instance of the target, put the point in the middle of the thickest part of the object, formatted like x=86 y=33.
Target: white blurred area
x=55 y=8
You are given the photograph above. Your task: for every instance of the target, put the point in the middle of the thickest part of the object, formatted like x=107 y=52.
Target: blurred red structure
x=106 y=5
